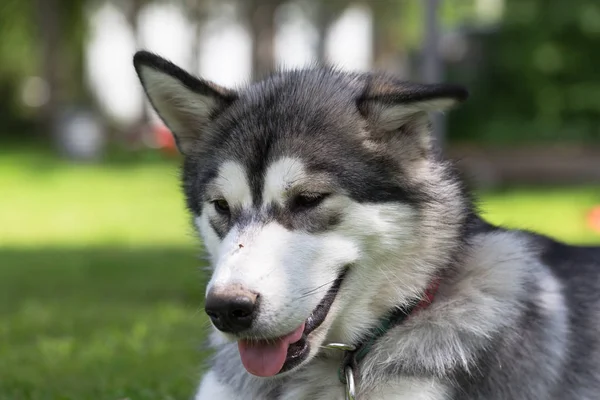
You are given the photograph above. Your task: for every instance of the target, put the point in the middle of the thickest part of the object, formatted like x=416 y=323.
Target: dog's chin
x=276 y=356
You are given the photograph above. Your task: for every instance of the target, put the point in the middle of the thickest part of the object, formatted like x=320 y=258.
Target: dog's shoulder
x=569 y=261
x=576 y=267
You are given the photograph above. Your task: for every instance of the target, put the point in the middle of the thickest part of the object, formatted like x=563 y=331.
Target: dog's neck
x=478 y=298
x=355 y=353
x=402 y=293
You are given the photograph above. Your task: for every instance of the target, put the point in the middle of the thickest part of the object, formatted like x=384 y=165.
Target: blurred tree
x=538 y=79
x=389 y=47
x=322 y=20
x=197 y=11
x=17 y=61
x=260 y=16
x=324 y=13
x=41 y=62
x=54 y=71
x=132 y=9
x=62 y=31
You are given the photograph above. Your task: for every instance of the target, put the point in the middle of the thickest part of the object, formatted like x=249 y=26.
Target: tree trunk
x=388 y=50
x=261 y=17
x=197 y=14
x=132 y=13
x=323 y=18
x=384 y=47
x=49 y=29
x=432 y=64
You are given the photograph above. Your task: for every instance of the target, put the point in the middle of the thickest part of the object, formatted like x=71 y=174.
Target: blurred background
x=101 y=281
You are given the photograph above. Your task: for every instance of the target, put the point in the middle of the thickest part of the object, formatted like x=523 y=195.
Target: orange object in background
x=594 y=219
x=164 y=139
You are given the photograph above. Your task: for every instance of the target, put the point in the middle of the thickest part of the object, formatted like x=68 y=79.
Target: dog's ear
x=398 y=111
x=186 y=104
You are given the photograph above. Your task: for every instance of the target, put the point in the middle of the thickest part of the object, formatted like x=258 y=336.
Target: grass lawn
x=101 y=283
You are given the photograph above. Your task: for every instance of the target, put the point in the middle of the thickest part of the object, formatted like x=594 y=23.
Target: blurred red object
x=594 y=218
x=164 y=139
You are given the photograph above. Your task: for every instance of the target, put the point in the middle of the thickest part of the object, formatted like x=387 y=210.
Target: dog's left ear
x=398 y=111
x=185 y=103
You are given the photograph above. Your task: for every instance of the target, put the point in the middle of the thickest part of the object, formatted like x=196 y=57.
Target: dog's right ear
x=186 y=104
x=397 y=114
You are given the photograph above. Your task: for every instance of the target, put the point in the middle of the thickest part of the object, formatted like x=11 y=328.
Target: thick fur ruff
x=310 y=174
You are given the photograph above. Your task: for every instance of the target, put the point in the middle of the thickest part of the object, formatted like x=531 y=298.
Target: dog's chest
x=320 y=382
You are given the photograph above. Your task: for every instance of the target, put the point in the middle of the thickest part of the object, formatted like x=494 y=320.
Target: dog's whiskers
x=319 y=287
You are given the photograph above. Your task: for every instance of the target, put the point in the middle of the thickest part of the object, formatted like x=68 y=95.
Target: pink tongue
x=266 y=358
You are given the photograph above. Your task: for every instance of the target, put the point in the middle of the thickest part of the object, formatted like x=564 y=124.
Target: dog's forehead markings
x=233 y=184
x=280 y=177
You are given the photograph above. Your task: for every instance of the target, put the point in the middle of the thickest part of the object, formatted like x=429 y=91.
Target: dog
x=348 y=259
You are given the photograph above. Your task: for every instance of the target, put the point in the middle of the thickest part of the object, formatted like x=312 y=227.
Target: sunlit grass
x=101 y=283
x=558 y=212
x=45 y=202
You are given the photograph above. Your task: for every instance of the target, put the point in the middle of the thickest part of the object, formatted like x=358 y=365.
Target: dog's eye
x=308 y=200
x=221 y=206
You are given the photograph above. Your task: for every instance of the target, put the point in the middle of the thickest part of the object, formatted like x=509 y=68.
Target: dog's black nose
x=231 y=310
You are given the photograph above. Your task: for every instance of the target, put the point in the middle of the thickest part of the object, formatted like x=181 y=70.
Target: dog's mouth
x=269 y=357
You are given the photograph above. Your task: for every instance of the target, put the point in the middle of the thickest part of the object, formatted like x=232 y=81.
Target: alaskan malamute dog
x=348 y=261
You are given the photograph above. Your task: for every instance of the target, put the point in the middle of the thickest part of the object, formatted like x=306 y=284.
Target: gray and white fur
x=306 y=174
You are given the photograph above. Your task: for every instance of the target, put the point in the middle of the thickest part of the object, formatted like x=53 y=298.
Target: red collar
x=430 y=293
x=354 y=354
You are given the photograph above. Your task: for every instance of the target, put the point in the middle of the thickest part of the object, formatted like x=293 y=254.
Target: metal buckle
x=350 y=388
x=340 y=346
x=348 y=372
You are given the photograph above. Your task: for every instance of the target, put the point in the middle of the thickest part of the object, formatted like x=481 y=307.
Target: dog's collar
x=353 y=355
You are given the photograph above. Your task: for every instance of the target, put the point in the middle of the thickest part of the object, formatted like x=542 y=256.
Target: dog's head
x=313 y=191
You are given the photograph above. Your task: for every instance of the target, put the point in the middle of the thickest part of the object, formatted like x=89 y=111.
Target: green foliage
x=18 y=59
x=540 y=79
x=21 y=56
x=18 y=47
x=406 y=17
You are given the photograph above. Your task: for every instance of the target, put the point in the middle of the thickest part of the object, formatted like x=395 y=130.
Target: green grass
x=100 y=323
x=101 y=284
x=47 y=202
x=561 y=213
